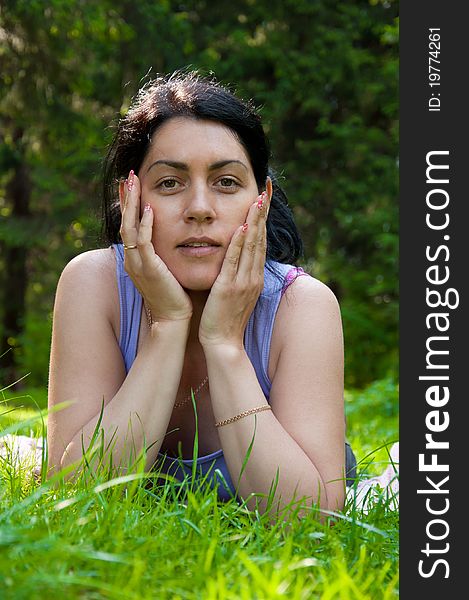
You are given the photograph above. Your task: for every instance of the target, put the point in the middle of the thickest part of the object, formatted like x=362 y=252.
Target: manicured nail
x=245 y=227
x=147 y=207
x=262 y=199
x=130 y=180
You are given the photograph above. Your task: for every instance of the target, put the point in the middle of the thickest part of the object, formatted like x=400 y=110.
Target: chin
x=197 y=280
x=197 y=285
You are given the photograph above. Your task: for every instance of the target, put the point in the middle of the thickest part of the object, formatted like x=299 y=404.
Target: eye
x=168 y=184
x=228 y=182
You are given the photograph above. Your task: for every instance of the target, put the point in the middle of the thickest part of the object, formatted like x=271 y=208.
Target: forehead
x=192 y=140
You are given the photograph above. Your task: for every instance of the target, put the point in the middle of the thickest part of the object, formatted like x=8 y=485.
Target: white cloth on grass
x=384 y=488
x=22 y=452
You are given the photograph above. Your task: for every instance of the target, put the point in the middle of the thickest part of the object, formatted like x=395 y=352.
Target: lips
x=198 y=242
x=199 y=247
x=196 y=245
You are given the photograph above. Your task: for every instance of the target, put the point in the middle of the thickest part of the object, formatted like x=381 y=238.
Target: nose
x=200 y=205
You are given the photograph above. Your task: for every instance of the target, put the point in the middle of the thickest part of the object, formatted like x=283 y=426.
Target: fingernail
x=147 y=207
x=245 y=227
x=130 y=180
x=262 y=199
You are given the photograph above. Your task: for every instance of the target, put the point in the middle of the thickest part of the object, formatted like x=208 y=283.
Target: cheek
x=162 y=240
x=240 y=215
x=163 y=231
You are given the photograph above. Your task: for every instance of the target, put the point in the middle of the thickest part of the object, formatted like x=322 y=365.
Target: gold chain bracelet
x=149 y=317
x=243 y=414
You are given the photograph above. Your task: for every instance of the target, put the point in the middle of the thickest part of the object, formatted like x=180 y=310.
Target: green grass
x=138 y=539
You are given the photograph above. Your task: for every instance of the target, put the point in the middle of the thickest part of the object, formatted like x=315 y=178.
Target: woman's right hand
x=162 y=293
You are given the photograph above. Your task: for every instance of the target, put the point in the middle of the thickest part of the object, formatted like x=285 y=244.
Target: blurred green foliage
x=325 y=77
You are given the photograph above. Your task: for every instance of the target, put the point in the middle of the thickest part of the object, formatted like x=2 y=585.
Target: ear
x=269 y=187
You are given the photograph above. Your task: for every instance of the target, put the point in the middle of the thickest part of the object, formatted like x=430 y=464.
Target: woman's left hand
x=235 y=292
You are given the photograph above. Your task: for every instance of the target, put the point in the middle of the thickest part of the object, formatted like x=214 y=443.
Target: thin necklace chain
x=189 y=397
x=200 y=386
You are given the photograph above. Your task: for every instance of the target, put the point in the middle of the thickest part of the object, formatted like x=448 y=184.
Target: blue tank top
x=257 y=339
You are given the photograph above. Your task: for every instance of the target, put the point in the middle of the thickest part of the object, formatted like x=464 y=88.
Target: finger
x=258 y=262
x=130 y=210
x=250 y=249
x=229 y=267
x=261 y=248
x=144 y=238
x=130 y=224
x=123 y=193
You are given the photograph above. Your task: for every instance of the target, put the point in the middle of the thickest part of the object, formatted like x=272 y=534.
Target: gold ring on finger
x=129 y=247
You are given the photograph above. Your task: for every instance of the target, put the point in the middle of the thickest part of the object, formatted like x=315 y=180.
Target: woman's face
x=199 y=182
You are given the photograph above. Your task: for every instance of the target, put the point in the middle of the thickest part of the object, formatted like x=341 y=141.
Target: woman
x=197 y=292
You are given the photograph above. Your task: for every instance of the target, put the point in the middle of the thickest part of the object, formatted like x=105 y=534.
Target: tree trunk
x=18 y=196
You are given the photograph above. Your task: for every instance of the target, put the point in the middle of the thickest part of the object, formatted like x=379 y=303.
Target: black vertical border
x=422 y=131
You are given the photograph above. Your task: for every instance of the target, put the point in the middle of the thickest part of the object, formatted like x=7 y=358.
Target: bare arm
x=87 y=368
x=303 y=437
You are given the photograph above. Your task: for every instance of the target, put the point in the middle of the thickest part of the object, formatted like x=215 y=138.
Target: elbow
x=62 y=464
x=289 y=505
x=307 y=495
x=320 y=503
x=54 y=459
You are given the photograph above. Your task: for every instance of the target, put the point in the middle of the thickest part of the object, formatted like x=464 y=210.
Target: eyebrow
x=184 y=167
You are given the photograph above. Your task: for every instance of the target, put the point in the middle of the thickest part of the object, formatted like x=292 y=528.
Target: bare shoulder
x=95 y=267
x=90 y=272
x=307 y=298
x=308 y=309
x=92 y=276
